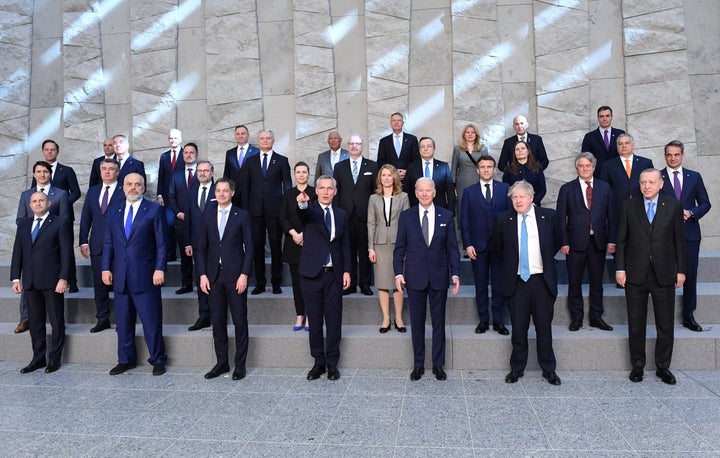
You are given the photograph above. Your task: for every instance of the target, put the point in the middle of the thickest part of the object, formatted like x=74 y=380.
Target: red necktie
x=190 y=177
x=588 y=196
x=174 y=160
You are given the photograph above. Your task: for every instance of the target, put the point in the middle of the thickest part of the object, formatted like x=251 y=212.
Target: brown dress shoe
x=21 y=327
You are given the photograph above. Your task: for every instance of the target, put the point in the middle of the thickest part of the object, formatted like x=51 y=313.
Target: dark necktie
x=36 y=229
x=488 y=196
x=104 y=203
x=606 y=140
x=425 y=226
x=328 y=225
x=676 y=185
x=128 y=222
x=190 y=177
x=173 y=161
x=203 y=198
x=588 y=197
x=264 y=164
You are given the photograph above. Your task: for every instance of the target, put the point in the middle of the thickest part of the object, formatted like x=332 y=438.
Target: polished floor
x=82 y=411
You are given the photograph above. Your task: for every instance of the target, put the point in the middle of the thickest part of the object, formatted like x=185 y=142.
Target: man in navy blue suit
x=182 y=182
x=588 y=232
x=128 y=164
x=42 y=259
x=199 y=198
x=170 y=161
x=527 y=238
x=225 y=253
x=235 y=160
x=324 y=272
x=399 y=148
x=429 y=167
x=602 y=142
x=108 y=153
x=425 y=257
x=134 y=260
x=687 y=186
x=98 y=201
x=481 y=204
x=535 y=142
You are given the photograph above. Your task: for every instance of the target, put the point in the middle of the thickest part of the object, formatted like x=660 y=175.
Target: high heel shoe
x=298 y=328
x=385 y=329
x=400 y=328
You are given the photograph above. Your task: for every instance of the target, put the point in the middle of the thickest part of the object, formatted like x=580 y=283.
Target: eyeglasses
x=203 y=171
x=355 y=144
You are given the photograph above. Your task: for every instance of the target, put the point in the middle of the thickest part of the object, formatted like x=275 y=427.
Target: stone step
x=363 y=347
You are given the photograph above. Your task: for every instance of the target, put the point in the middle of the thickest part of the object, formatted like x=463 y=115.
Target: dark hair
x=109 y=160
x=427 y=138
x=243 y=126
x=197 y=150
x=514 y=167
x=302 y=164
x=53 y=142
x=487 y=158
x=677 y=143
x=42 y=164
x=226 y=180
x=604 y=108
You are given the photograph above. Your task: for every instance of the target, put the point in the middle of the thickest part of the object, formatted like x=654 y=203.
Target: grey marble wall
x=80 y=70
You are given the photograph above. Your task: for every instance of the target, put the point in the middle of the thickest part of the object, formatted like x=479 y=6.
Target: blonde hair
x=397 y=188
x=478 y=146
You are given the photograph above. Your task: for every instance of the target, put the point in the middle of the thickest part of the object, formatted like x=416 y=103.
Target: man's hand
x=456 y=284
x=399 y=282
x=17 y=287
x=611 y=248
x=160 y=201
x=680 y=280
x=188 y=250
x=107 y=277
x=85 y=251
x=346 y=280
x=565 y=249
x=472 y=254
x=687 y=215
x=401 y=172
x=620 y=278
x=158 y=277
x=181 y=216
x=61 y=286
x=241 y=284
x=204 y=284
x=372 y=256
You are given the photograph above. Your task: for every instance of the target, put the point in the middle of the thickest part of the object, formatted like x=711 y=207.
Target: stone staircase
x=274 y=344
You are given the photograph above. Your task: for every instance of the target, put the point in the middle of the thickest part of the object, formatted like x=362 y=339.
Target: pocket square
x=367 y=173
x=443 y=224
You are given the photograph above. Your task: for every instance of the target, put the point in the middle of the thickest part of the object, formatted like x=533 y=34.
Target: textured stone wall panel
x=481 y=9
x=397 y=8
x=654 y=33
x=632 y=8
x=311 y=29
x=651 y=96
x=653 y=68
x=556 y=28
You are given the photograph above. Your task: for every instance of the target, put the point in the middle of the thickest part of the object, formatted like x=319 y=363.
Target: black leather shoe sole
x=239 y=373
x=636 y=375
x=439 y=373
x=316 y=372
x=122 y=367
x=32 y=367
x=417 y=373
x=552 y=378
x=217 y=371
x=333 y=373
x=158 y=369
x=500 y=329
x=513 y=376
x=103 y=325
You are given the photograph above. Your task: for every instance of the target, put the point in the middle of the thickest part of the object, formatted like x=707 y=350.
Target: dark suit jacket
x=262 y=195
x=131 y=165
x=409 y=152
x=594 y=143
x=537 y=180
x=426 y=266
x=179 y=191
x=235 y=248
x=165 y=171
x=232 y=169
x=93 y=219
x=506 y=245
x=575 y=218
x=95 y=177
x=613 y=173
x=41 y=264
x=693 y=197
x=317 y=243
x=290 y=219
x=660 y=244
x=324 y=167
x=133 y=260
x=59 y=204
x=477 y=215
x=537 y=147
x=354 y=196
x=193 y=214
x=444 y=186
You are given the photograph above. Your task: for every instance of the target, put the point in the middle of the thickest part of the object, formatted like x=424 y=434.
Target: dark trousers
x=297 y=290
x=418 y=300
x=692 y=253
x=40 y=302
x=100 y=289
x=531 y=299
x=148 y=305
x=487 y=269
x=664 y=308
x=360 y=265
x=594 y=259
x=223 y=294
x=170 y=219
x=203 y=304
x=323 y=296
x=186 y=262
x=271 y=226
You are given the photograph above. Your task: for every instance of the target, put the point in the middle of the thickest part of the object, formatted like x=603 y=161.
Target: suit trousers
x=148 y=305
x=664 y=308
x=260 y=226
x=40 y=302
x=100 y=289
x=323 y=296
x=418 y=299
x=223 y=294
x=170 y=219
x=487 y=269
x=531 y=299
x=692 y=253
x=360 y=266
x=203 y=301
x=594 y=259
x=186 y=262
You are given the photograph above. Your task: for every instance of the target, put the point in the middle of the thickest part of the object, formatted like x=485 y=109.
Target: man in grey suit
x=326 y=160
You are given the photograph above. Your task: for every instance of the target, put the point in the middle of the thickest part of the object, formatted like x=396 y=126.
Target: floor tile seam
x=549 y=443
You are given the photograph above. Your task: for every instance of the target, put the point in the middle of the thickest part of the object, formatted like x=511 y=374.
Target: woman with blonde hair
x=464 y=162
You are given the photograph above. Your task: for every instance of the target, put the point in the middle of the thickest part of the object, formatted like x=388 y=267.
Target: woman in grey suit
x=464 y=161
x=384 y=208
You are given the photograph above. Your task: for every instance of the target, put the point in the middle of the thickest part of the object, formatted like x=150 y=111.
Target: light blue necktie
x=355 y=171
x=427 y=169
x=36 y=229
x=398 y=146
x=524 y=256
x=128 y=222
x=223 y=222
x=651 y=211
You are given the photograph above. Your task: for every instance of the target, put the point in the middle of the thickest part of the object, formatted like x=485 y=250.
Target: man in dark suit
x=399 y=148
x=265 y=178
x=183 y=181
x=687 y=186
x=425 y=256
x=170 y=161
x=602 y=142
x=527 y=238
x=324 y=272
x=128 y=164
x=326 y=160
x=108 y=153
x=224 y=256
x=355 y=179
x=650 y=259
x=98 y=201
x=622 y=173
x=588 y=232
x=199 y=198
x=429 y=167
x=235 y=159
x=481 y=204
x=41 y=257
x=134 y=260
x=535 y=142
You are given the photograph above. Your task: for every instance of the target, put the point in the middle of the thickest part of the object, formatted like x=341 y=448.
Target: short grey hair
x=586 y=155
x=423 y=179
x=521 y=185
x=326 y=177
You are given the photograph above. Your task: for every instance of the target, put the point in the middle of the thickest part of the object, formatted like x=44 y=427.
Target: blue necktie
x=264 y=163
x=524 y=256
x=651 y=211
x=36 y=229
x=223 y=222
x=128 y=222
x=488 y=196
x=427 y=169
x=355 y=171
x=398 y=146
x=328 y=225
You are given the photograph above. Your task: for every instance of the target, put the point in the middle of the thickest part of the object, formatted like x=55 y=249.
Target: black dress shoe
x=400 y=328
x=513 y=376
x=100 y=326
x=385 y=329
x=184 y=289
x=417 y=373
x=277 y=290
x=316 y=371
x=33 y=366
x=122 y=367
x=366 y=290
x=52 y=367
x=692 y=325
x=439 y=373
x=552 y=378
x=600 y=324
x=481 y=328
x=333 y=373
x=200 y=323
x=73 y=288
x=158 y=369
x=350 y=290
x=501 y=329
x=575 y=325
x=666 y=376
x=218 y=370
x=258 y=290
x=636 y=375
x=239 y=373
